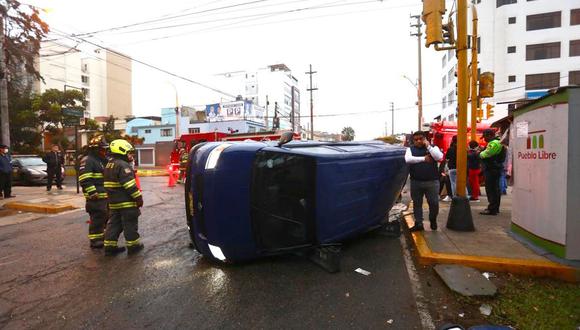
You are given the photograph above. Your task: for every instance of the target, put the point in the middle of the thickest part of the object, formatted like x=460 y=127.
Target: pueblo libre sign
x=535 y=148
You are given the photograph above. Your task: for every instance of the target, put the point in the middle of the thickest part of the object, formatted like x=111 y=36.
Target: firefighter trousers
x=126 y=221
x=99 y=214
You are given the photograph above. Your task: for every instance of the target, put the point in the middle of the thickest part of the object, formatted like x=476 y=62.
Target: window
x=450 y=75
x=282 y=200
x=511 y=20
x=444 y=102
x=443 y=61
x=575 y=17
x=443 y=81
x=542 y=80
x=542 y=51
x=85 y=79
x=451 y=98
x=574 y=78
x=544 y=21
x=166 y=132
x=147 y=131
x=500 y=3
x=574 y=47
x=511 y=49
x=511 y=78
x=450 y=54
x=193 y=130
x=252 y=129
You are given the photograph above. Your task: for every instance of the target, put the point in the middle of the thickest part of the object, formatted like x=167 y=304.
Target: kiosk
x=545 y=146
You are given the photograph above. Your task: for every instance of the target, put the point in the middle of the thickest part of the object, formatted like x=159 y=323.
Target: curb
x=145 y=173
x=535 y=268
x=39 y=208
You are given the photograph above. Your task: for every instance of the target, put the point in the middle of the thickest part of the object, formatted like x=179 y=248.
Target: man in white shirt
x=422 y=159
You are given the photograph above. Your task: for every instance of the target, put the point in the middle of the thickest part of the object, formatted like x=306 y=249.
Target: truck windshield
x=282 y=200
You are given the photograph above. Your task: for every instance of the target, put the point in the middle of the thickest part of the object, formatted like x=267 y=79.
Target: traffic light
x=449 y=32
x=489 y=110
x=486 y=84
x=433 y=11
x=479 y=113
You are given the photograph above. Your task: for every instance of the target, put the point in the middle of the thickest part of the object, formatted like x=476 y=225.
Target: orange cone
x=137 y=181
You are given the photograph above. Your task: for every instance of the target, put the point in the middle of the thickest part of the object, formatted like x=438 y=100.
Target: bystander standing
x=5 y=172
x=473 y=170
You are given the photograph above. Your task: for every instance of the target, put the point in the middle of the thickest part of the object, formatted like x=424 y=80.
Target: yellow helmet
x=121 y=147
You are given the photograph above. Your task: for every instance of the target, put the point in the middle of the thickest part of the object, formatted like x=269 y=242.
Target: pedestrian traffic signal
x=486 y=84
x=489 y=111
x=449 y=33
x=433 y=11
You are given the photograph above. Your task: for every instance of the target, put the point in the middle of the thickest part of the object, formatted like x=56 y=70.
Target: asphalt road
x=50 y=279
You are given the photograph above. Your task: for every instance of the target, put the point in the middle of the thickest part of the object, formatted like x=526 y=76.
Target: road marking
x=425 y=317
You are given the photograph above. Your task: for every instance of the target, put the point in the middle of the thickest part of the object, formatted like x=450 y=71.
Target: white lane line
x=426 y=320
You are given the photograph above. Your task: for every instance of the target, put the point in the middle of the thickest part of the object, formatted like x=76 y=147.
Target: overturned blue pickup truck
x=246 y=200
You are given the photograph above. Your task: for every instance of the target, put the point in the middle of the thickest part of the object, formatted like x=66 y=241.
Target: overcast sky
x=360 y=49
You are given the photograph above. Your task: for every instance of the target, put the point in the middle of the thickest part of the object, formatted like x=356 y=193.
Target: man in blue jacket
x=5 y=172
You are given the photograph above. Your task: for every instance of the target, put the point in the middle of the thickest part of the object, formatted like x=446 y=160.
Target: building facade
x=273 y=88
x=531 y=46
x=103 y=76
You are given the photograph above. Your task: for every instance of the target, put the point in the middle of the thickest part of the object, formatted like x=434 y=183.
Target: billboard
x=236 y=110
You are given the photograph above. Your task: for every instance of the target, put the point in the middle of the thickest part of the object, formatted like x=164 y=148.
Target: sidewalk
x=38 y=196
x=491 y=247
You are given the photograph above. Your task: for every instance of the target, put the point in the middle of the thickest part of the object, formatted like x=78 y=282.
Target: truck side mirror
x=285 y=138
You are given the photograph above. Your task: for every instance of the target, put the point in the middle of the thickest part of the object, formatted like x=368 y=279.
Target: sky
x=361 y=51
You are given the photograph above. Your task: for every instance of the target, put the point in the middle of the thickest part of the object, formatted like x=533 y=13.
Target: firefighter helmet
x=121 y=147
x=98 y=141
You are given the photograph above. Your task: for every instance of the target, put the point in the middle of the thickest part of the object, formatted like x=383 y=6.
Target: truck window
x=282 y=200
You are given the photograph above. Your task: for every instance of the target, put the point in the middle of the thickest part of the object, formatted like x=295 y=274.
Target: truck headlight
x=214 y=156
x=216 y=252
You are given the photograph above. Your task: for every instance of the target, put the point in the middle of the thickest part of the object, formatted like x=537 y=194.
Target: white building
x=103 y=76
x=531 y=46
x=274 y=88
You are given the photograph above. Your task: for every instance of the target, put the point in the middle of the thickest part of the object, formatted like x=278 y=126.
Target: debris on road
x=390 y=321
x=485 y=309
x=466 y=281
x=362 y=271
x=488 y=275
x=461 y=314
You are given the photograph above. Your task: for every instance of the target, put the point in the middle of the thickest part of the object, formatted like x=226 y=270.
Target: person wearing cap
x=492 y=159
x=125 y=199
x=5 y=172
x=91 y=179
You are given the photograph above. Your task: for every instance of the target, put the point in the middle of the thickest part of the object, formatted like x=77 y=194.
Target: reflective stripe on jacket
x=91 y=177
x=121 y=185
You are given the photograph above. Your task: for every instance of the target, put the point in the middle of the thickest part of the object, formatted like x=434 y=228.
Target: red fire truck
x=442 y=133
x=187 y=141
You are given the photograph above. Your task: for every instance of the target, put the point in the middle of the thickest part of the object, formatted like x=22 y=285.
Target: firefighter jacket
x=121 y=185
x=91 y=177
x=183 y=160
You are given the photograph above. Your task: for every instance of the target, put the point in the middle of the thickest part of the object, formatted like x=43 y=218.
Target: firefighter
x=92 y=181
x=125 y=199
x=183 y=157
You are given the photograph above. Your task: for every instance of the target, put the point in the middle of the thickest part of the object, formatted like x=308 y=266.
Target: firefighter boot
x=135 y=249
x=113 y=250
x=97 y=244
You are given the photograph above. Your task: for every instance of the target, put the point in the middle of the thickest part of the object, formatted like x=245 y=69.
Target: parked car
x=29 y=170
x=246 y=200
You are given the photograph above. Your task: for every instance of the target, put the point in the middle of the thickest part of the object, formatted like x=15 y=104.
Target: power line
x=235 y=25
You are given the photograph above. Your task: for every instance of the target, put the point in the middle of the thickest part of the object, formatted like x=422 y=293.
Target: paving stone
x=466 y=281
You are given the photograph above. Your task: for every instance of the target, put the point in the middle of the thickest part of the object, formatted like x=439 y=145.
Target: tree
x=347 y=134
x=24 y=123
x=111 y=133
x=21 y=31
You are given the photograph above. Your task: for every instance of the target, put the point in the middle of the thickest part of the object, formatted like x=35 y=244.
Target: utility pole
x=267 y=104
x=418 y=34
x=462 y=83
x=4 y=114
x=311 y=89
x=392 y=118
